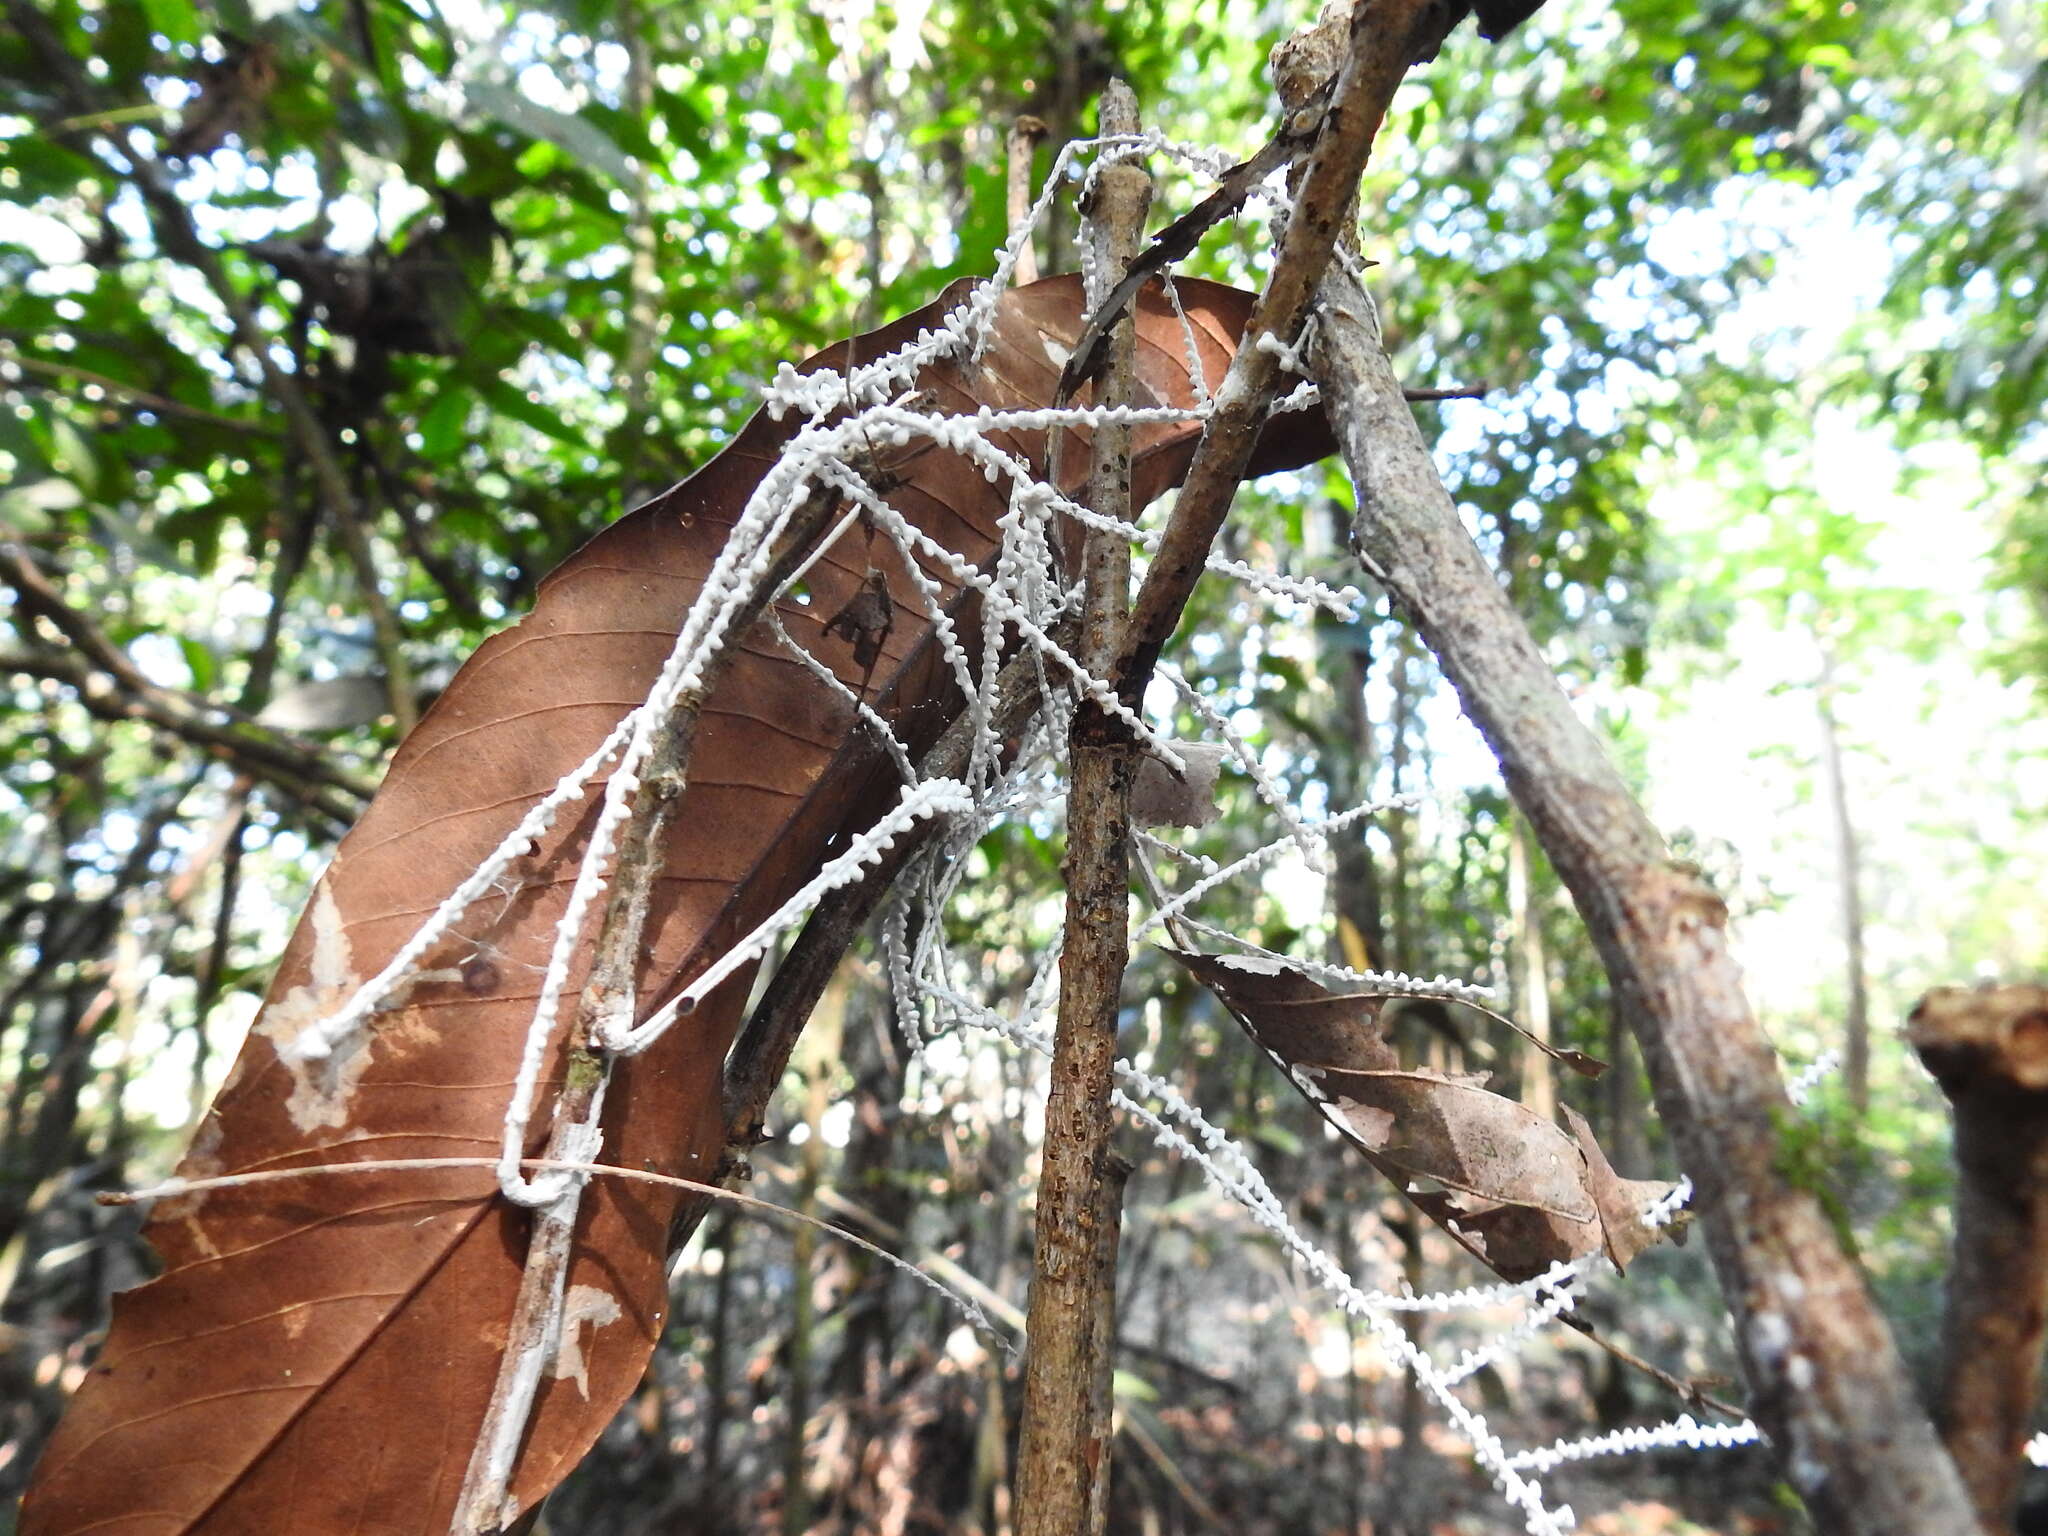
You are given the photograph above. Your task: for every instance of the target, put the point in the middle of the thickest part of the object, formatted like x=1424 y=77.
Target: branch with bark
x=1826 y=1380
x=1065 y=1434
x=610 y=992
x=114 y=689
x=1383 y=37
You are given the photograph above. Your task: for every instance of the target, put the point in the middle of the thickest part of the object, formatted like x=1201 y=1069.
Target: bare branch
x=1385 y=35
x=1065 y=1430
x=299 y=769
x=112 y=688
x=135 y=395
x=1825 y=1379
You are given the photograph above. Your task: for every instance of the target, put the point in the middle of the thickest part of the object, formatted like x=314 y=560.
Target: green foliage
x=1950 y=160
x=2023 y=568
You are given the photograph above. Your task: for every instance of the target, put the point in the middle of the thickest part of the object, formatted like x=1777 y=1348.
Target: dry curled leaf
x=317 y=1354
x=1516 y=1190
x=1162 y=798
x=864 y=623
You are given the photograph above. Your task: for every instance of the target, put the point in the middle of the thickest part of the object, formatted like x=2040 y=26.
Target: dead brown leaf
x=317 y=1355
x=1516 y=1190
x=1162 y=798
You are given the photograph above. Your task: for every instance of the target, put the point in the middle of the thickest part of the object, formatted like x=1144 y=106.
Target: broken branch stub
x=1988 y=1048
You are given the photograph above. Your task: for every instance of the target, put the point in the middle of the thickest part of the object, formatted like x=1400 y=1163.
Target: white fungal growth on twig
x=1023 y=597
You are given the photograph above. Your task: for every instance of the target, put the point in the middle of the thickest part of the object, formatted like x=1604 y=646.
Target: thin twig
x=1463 y=392
x=1297 y=131
x=1691 y=1393
x=1065 y=1431
x=1176 y=1479
x=401 y=692
x=610 y=992
x=176 y=1188
x=37 y=596
x=213 y=963
x=135 y=395
x=294 y=547
x=457 y=586
x=990 y=1300
x=1384 y=37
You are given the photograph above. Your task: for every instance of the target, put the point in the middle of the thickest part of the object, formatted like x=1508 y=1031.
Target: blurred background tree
x=326 y=329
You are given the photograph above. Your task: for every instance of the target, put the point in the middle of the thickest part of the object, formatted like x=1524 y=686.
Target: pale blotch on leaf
x=1374 y=1127
x=583 y=1304
x=322 y=1085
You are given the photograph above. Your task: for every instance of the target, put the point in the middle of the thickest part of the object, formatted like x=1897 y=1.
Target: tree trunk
x=1849 y=883
x=1988 y=1048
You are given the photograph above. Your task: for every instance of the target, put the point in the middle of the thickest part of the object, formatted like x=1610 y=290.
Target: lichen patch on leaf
x=583 y=1304
x=322 y=1084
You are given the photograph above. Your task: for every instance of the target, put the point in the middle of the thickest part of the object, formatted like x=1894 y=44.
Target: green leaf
x=29 y=508
x=1132 y=1388
x=199 y=661
x=72 y=456
x=175 y=19
x=580 y=139
x=442 y=428
x=507 y=401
